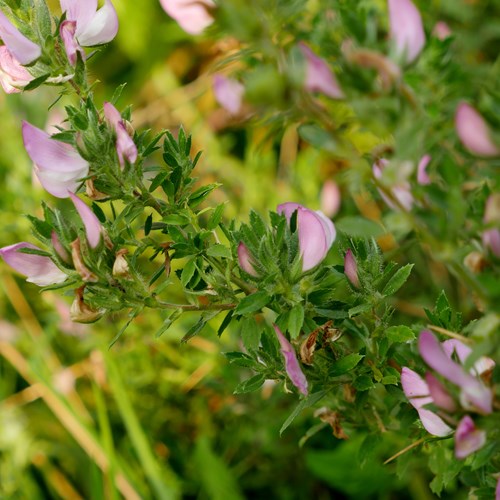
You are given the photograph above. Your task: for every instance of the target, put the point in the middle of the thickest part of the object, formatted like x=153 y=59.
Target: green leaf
x=345 y=364
x=176 y=219
x=359 y=227
x=188 y=272
x=400 y=334
x=148 y=224
x=252 y=384
x=253 y=303
x=201 y=194
x=354 y=311
x=167 y=323
x=36 y=82
x=240 y=359
x=250 y=333
x=295 y=321
x=398 y=280
x=216 y=217
x=219 y=250
x=311 y=400
x=98 y=212
x=34 y=251
x=363 y=383
x=41 y=227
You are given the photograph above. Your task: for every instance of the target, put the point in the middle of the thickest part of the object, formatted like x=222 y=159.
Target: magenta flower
x=193 y=16
x=86 y=26
x=401 y=191
x=316 y=233
x=292 y=366
x=125 y=146
x=245 y=260
x=473 y=131
x=330 y=198
x=13 y=76
x=58 y=165
x=497 y=491
x=441 y=30
x=39 y=269
x=422 y=176
x=351 y=268
x=22 y=49
x=468 y=438
x=319 y=76
x=228 y=93
x=406 y=29
x=491 y=237
x=92 y=225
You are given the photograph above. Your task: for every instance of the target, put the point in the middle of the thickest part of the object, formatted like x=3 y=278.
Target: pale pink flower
x=193 y=16
x=441 y=30
x=351 y=268
x=22 y=49
x=13 y=76
x=422 y=176
x=228 y=93
x=125 y=146
x=331 y=198
x=468 y=438
x=245 y=260
x=92 y=225
x=491 y=237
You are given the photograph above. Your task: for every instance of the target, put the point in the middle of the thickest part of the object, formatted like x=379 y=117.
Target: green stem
x=191 y=307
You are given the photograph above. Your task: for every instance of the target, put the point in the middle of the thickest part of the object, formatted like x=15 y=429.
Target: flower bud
x=58 y=247
x=80 y=267
x=80 y=312
x=468 y=438
x=120 y=267
x=351 y=269
x=246 y=261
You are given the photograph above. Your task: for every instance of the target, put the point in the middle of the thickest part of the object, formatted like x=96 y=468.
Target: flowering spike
x=228 y=93
x=468 y=438
x=192 y=16
x=351 y=268
x=316 y=233
x=39 y=270
x=422 y=176
x=92 y=225
x=319 y=76
x=292 y=366
x=13 y=76
x=58 y=165
x=245 y=260
x=406 y=28
x=22 y=48
x=125 y=146
x=473 y=131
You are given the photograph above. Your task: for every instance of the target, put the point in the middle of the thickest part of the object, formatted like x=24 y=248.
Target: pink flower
x=39 y=269
x=491 y=237
x=86 y=26
x=13 y=76
x=401 y=191
x=292 y=366
x=422 y=177
x=228 y=93
x=245 y=260
x=193 y=16
x=90 y=221
x=468 y=438
x=441 y=30
x=473 y=131
x=497 y=491
x=406 y=29
x=22 y=49
x=125 y=146
x=319 y=76
x=58 y=165
x=316 y=233
x=330 y=198
x=351 y=269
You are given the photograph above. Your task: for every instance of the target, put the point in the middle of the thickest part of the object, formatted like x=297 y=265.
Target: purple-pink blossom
x=474 y=132
x=491 y=237
x=22 y=48
x=245 y=260
x=58 y=165
x=193 y=16
x=125 y=146
x=468 y=438
x=92 y=225
x=351 y=268
x=292 y=366
x=13 y=76
x=422 y=176
x=86 y=26
x=38 y=269
x=228 y=93
x=331 y=198
x=406 y=29
x=316 y=233
x=319 y=77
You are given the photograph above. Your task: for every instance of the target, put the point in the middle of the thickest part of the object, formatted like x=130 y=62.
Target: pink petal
x=22 y=48
x=90 y=221
x=406 y=28
x=287 y=209
x=497 y=491
x=125 y=146
x=473 y=131
x=482 y=365
x=67 y=31
x=351 y=268
x=319 y=76
x=422 y=177
x=57 y=163
x=192 y=15
x=81 y=11
x=245 y=260
x=433 y=423
x=101 y=28
x=491 y=240
x=328 y=227
x=39 y=270
x=468 y=438
x=402 y=191
x=228 y=93
x=441 y=30
x=13 y=76
x=292 y=366
x=112 y=114
x=440 y=396
x=330 y=198
x=474 y=395
x=58 y=247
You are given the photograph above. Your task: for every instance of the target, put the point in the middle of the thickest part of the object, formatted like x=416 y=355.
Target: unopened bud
x=92 y=192
x=58 y=247
x=166 y=246
x=80 y=312
x=129 y=128
x=120 y=267
x=80 y=267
